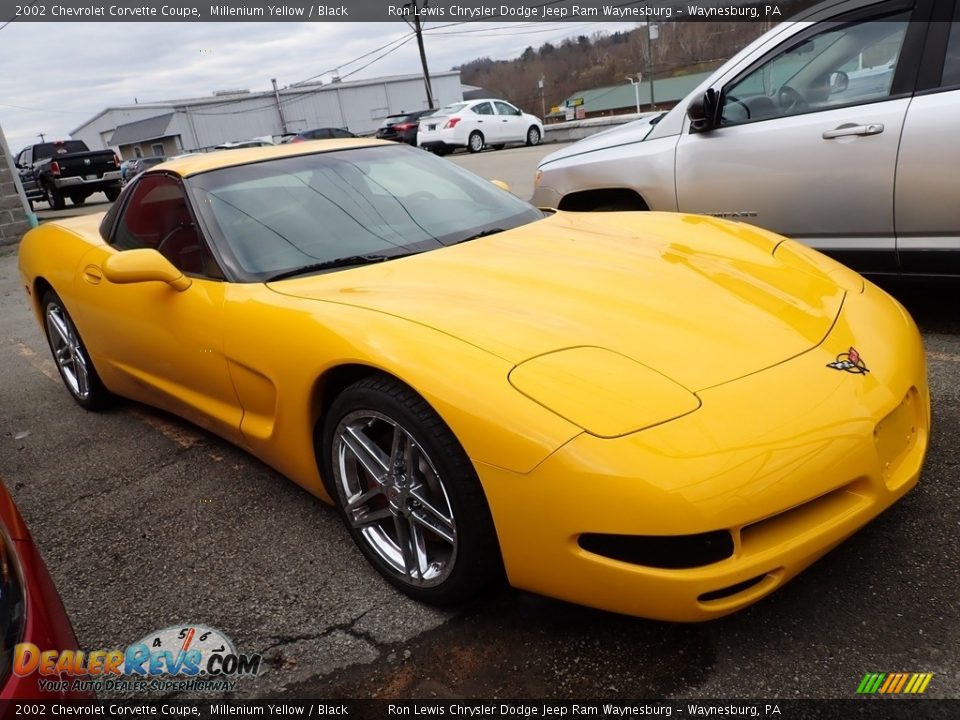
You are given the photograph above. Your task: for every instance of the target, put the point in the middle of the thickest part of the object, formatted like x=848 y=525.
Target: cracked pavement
x=146 y=522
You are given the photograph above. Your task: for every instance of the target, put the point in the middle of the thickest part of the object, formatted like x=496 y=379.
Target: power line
x=11 y=20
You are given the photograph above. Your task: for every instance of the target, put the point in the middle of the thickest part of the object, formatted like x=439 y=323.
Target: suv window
x=482 y=109
x=157 y=216
x=852 y=63
x=506 y=108
x=951 y=63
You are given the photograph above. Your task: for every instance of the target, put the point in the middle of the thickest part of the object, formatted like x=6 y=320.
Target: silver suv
x=839 y=129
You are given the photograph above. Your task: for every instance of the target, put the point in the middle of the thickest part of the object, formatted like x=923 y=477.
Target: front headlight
x=603 y=392
x=13 y=604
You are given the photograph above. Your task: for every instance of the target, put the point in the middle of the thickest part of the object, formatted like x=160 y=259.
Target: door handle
x=92 y=274
x=851 y=129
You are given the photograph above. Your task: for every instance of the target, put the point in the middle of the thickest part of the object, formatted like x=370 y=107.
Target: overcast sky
x=55 y=76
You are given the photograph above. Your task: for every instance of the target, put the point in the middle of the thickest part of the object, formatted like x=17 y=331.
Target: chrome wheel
x=476 y=142
x=533 y=136
x=394 y=498
x=68 y=351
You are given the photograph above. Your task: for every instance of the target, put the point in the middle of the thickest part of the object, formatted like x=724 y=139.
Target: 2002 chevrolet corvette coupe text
x=658 y=414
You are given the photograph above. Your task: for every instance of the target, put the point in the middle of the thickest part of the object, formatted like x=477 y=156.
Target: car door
x=511 y=122
x=25 y=171
x=482 y=117
x=806 y=137
x=148 y=340
x=928 y=180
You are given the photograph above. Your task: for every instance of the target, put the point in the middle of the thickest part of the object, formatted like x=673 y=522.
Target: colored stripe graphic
x=894 y=683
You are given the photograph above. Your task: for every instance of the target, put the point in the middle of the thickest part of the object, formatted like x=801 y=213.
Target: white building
x=176 y=126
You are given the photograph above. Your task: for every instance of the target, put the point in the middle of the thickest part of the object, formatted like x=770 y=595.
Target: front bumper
x=790 y=461
x=545 y=197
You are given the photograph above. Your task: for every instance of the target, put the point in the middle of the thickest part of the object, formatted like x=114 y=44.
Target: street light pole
x=636 y=88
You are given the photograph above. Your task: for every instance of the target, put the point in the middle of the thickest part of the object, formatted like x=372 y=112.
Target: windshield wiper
x=482 y=233
x=347 y=261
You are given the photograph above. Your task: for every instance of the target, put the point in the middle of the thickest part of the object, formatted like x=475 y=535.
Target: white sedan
x=475 y=124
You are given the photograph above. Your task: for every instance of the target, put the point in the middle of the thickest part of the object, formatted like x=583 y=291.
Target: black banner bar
x=395 y=10
x=874 y=708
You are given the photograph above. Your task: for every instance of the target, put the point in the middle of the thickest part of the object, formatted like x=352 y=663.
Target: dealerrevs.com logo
x=178 y=658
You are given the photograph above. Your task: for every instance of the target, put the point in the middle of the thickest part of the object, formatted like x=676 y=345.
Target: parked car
x=54 y=171
x=824 y=132
x=125 y=169
x=30 y=608
x=143 y=163
x=476 y=124
x=652 y=413
x=244 y=144
x=402 y=127
x=320 y=134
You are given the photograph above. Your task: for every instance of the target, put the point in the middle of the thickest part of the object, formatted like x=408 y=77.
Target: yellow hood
x=700 y=300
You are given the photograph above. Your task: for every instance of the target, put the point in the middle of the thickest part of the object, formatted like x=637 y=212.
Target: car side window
x=506 y=108
x=157 y=216
x=951 y=63
x=482 y=109
x=843 y=65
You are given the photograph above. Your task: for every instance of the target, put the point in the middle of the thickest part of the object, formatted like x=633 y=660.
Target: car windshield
x=452 y=108
x=393 y=119
x=276 y=216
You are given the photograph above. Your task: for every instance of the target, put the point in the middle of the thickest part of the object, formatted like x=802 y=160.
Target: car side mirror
x=702 y=112
x=143 y=265
x=839 y=81
x=502 y=185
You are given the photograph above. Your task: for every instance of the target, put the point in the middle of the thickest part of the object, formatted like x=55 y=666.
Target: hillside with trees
x=590 y=61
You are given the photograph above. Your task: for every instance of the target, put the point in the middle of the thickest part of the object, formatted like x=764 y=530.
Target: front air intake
x=668 y=552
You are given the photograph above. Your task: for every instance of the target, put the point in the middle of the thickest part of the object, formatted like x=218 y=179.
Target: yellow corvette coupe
x=657 y=414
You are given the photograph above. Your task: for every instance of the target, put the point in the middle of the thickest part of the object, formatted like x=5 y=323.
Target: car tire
x=54 y=198
x=533 y=135
x=112 y=194
x=78 y=199
x=475 y=141
x=418 y=514
x=70 y=355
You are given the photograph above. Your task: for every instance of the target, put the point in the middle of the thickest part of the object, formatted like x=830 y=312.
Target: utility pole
x=653 y=32
x=276 y=94
x=413 y=6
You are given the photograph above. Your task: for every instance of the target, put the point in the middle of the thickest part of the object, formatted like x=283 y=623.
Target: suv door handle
x=851 y=129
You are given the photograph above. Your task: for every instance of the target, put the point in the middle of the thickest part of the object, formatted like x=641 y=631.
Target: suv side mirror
x=702 y=112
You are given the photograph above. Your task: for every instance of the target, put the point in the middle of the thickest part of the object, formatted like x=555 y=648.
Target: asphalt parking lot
x=147 y=522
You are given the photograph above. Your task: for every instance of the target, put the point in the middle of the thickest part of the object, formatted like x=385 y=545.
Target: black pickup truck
x=54 y=171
